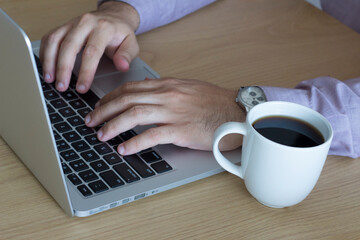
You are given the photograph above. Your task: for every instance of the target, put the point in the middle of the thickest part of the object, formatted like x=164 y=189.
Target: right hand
x=109 y=29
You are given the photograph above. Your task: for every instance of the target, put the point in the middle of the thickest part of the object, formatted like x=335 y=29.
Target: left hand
x=185 y=112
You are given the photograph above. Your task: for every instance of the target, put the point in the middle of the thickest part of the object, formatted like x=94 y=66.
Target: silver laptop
x=46 y=130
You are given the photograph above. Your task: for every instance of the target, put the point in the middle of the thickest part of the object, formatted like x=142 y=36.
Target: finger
x=137 y=115
x=70 y=47
x=130 y=87
x=117 y=106
x=49 y=51
x=150 y=138
x=91 y=56
x=126 y=52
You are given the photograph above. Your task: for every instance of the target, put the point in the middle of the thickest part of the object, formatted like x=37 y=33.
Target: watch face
x=252 y=96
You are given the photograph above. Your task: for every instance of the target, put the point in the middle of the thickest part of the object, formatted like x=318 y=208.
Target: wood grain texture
x=230 y=43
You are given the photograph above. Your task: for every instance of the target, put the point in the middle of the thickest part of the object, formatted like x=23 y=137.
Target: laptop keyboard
x=93 y=167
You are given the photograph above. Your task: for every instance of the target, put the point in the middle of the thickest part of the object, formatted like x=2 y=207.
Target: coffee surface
x=289 y=131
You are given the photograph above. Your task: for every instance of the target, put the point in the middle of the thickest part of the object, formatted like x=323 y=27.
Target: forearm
x=157 y=13
x=338 y=101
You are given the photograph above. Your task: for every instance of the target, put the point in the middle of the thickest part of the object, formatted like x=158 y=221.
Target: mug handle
x=225 y=129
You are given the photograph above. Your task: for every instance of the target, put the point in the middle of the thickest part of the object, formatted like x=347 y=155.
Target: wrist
x=239 y=112
x=122 y=10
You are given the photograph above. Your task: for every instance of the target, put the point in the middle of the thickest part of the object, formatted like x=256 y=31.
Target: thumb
x=126 y=52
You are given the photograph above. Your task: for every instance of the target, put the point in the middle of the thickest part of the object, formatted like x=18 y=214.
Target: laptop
x=46 y=130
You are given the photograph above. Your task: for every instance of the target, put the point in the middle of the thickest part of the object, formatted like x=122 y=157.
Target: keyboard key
x=55 y=118
x=98 y=186
x=103 y=149
x=84 y=130
x=37 y=60
x=62 y=127
x=77 y=104
x=92 y=139
x=111 y=179
x=73 y=81
x=51 y=95
x=80 y=146
x=139 y=166
x=67 y=112
x=85 y=191
x=56 y=135
x=161 y=167
x=78 y=165
x=90 y=156
x=99 y=166
x=83 y=112
x=71 y=136
x=50 y=109
x=74 y=179
x=75 y=121
x=127 y=135
x=45 y=86
x=150 y=157
x=146 y=150
x=90 y=98
x=115 y=141
x=62 y=145
x=69 y=95
x=88 y=175
x=112 y=158
x=58 y=103
x=97 y=128
x=66 y=168
x=126 y=173
x=69 y=155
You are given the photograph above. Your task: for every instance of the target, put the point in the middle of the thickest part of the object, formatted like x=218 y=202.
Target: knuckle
x=129 y=85
x=103 y=24
x=96 y=113
x=171 y=81
x=154 y=134
x=64 y=67
x=175 y=94
x=137 y=111
x=91 y=50
x=110 y=128
x=51 y=38
x=67 y=43
x=85 y=18
x=124 y=99
x=135 y=143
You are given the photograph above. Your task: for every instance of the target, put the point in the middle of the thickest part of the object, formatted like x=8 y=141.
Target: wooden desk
x=230 y=43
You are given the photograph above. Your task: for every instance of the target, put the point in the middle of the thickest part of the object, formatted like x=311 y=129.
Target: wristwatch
x=248 y=97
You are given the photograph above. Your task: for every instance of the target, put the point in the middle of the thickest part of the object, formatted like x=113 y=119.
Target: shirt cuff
x=287 y=94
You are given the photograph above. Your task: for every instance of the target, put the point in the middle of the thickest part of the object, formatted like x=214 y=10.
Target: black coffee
x=289 y=131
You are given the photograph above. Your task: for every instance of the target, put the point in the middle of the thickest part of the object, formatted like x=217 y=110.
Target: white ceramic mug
x=276 y=175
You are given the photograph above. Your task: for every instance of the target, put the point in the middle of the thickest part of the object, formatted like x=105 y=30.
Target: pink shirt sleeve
x=338 y=101
x=156 y=13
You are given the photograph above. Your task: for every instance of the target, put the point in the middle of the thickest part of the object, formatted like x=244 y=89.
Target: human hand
x=110 y=29
x=185 y=112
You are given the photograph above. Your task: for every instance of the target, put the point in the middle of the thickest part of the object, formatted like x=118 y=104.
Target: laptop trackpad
x=105 y=84
x=107 y=78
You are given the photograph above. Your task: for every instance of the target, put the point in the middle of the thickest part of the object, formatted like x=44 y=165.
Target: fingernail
x=100 y=133
x=97 y=104
x=47 y=77
x=121 y=149
x=60 y=85
x=81 y=87
x=87 y=119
